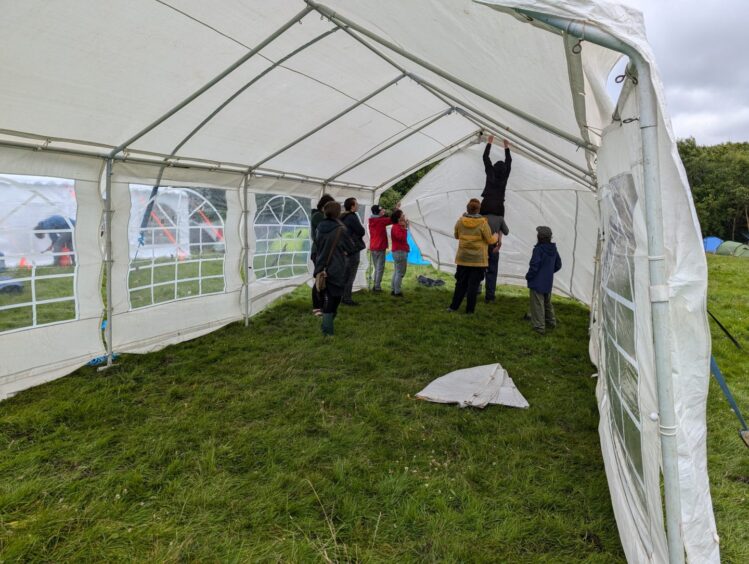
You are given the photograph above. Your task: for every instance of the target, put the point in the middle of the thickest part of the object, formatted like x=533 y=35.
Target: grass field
x=273 y=444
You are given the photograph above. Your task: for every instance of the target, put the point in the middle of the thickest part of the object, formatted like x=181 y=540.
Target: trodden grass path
x=272 y=444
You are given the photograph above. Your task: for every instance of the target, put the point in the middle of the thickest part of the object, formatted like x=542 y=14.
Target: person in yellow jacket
x=474 y=236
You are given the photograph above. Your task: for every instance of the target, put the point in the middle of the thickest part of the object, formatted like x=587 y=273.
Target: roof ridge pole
x=337 y=18
x=391 y=145
x=659 y=290
x=223 y=74
x=329 y=121
x=431 y=157
x=490 y=119
x=533 y=153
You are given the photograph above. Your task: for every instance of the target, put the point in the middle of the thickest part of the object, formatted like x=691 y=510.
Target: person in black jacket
x=493 y=202
x=315 y=219
x=493 y=208
x=333 y=244
x=356 y=232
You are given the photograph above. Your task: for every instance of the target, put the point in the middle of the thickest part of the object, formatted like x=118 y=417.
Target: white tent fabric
x=478 y=386
x=313 y=104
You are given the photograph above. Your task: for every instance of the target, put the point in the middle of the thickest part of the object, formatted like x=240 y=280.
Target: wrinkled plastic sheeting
x=475 y=387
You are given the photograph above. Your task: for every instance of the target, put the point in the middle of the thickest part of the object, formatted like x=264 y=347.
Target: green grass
x=273 y=444
x=728 y=458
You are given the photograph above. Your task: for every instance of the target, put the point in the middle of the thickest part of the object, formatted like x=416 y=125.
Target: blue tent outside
x=414 y=255
x=711 y=244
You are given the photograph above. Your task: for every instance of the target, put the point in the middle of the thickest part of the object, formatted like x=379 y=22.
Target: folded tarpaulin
x=476 y=387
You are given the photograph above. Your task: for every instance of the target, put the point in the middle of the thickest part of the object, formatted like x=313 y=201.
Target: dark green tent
x=733 y=248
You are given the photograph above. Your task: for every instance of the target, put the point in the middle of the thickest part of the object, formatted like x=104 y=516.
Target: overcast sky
x=702 y=52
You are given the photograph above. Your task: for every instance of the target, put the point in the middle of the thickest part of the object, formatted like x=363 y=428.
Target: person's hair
x=348 y=203
x=395 y=216
x=324 y=199
x=332 y=210
x=473 y=206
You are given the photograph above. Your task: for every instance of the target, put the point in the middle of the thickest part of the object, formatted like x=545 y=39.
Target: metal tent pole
x=536 y=155
x=659 y=290
x=246 y=244
x=213 y=81
x=345 y=22
x=328 y=122
x=108 y=257
x=429 y=158
x=391 y=145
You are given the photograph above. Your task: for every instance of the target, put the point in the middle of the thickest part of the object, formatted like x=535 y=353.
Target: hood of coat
x=328 y=225
x=547 y=249
x=472 y=221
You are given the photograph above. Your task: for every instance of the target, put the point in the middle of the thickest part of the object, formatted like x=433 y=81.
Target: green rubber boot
x=327 y=323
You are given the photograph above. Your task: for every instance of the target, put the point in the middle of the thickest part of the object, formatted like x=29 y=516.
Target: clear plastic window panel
x=282 y=236
x=37 y=254
x=618 y=307
x=176 y=239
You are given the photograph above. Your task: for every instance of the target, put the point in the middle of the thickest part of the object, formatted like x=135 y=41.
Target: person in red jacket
x=399 y=233
x=378 y=243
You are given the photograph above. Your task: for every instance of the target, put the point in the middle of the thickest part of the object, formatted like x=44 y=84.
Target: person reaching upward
x=493 y=202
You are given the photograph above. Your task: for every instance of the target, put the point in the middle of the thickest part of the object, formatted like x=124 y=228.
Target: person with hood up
x=356 y=232
x=315 y=218
x=378 y=244
x=545 y=261
x=333 y=245
x=474 y=236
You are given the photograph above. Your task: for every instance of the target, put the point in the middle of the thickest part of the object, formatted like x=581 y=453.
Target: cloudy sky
x=702 y=52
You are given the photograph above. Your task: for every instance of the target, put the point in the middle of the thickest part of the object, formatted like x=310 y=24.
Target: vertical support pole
x=246 y=261
x=660 y=311
x=108 y=256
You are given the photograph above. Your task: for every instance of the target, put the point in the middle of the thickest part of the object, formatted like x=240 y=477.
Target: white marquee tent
x=244 y=108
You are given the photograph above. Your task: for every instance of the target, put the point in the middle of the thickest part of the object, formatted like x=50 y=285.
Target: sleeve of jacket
x=558 y=263
x=489 y=237
x=535 y=263
x=487 y=160
x=508 y=162
x=456 y=233
x=503 y=228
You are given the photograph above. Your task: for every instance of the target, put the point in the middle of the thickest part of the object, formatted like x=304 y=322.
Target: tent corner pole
x=108 y=260
x=246 y=249
x=659 y=290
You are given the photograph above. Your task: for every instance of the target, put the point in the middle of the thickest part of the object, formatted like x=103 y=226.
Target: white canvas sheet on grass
x=475 y=387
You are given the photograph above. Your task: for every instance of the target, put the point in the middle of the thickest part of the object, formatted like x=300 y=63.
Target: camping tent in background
x=292 y=98
x=414 y=254
x=732 y=248
x=711 y=244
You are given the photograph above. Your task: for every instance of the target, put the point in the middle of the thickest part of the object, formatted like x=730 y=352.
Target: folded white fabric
x=476 y=387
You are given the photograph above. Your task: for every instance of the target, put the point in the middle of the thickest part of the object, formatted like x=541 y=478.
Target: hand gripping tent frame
x=347 y=98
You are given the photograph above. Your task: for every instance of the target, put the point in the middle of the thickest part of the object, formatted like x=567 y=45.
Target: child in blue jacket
x=544 y=263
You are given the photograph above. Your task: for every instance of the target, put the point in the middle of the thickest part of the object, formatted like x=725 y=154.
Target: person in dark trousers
x=401 y=249
x=378 y=244
x=490 y=278
x=473 y=234
x=545 y=261
x=316 y=217
x=333 y=245
x=60 y=231
x=356 y=232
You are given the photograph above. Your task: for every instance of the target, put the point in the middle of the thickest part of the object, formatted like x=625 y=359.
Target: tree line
x=719 y=178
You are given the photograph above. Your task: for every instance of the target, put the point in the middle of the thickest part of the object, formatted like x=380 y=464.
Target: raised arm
x=487 y=160
x=508 y=157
